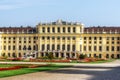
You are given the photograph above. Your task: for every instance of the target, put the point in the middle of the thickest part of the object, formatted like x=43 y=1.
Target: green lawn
x=29 y=70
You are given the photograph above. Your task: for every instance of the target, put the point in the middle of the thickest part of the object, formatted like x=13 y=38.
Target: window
x=4 y=47
x=43 y=29
x=64 y=29
x=14 y=38
x=53 y=38
x=5 y=38
x=107 y=38
x=107 y=48
x=63 y=47
x=19 y=55
x=53 y=29
x=9 y=38
x=100 y=48
x=85 y=38
x=8 y=54
x=29 y=41
x=112 y=38
x=112 y=42
x=95 y=38
x=89 y=42
x=90 y=38
x=58 y=29
x=48 y=47
x=100 y=38
x=48 y=38
x=68 y=47
x=118 y=48
x=63 y=38
x=112 y=48
x=53 y=47
x=9 y=47
x=95 y=48
x=29 y=48
x=19 y=38
x=89 y=48
x=84 y=48
x=74 y=29
x=95 y=42
x=58 y=47
x=24 y=41
x=43 y=38
x=100 y=42
x=118 y=38
x=19 y=47
x=58 y=38
x=73 y=47
x=69 y=29
x=107 y=42
x=73 y=38
x=13 y=47
x=13 y=41
x=43 y=47
x=48 y=29
x=34 y=47
x=14 y=55
x=68 y=38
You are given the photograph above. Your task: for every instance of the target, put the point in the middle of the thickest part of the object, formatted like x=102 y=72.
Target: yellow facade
x=64 y=39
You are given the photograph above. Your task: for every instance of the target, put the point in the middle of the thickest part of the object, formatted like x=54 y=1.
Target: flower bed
x=40 y=60
x=10 y=68
x=15 y=59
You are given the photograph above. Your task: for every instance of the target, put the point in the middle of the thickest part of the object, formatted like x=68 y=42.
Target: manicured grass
x=29 y=70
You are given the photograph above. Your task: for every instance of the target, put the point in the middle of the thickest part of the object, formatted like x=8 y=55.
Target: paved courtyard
x=104 y=71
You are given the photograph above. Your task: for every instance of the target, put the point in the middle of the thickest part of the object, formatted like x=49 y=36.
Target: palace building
x=63 y=39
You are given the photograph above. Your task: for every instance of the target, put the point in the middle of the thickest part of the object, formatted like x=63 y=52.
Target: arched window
x=73 y=47
x=43 y=47
x=74 y=29
x=14 y=55
x=53 y=47
x=63 y=47
x=58 y=47
x=19 y=55
x=68 y=47
x=8 y=54
x=48 y=47
x=107 y=55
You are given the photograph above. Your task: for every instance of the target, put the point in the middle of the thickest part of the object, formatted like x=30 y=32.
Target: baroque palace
x=63 y=39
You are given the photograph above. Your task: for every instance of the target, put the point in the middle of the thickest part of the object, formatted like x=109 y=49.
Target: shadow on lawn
x=103 y=73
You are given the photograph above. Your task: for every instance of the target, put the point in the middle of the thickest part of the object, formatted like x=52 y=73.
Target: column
x=70 y=43
x=60 y=43
x=45 y=43
x=51 y=43
x=65 y=43
x=55 y=43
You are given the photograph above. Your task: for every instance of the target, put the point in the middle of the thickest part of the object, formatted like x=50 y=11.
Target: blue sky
x=31 y=12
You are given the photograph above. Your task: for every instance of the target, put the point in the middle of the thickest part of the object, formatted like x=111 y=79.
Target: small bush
x=82 y=56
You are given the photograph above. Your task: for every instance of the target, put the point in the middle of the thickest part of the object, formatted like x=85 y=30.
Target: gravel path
x=105 y=71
